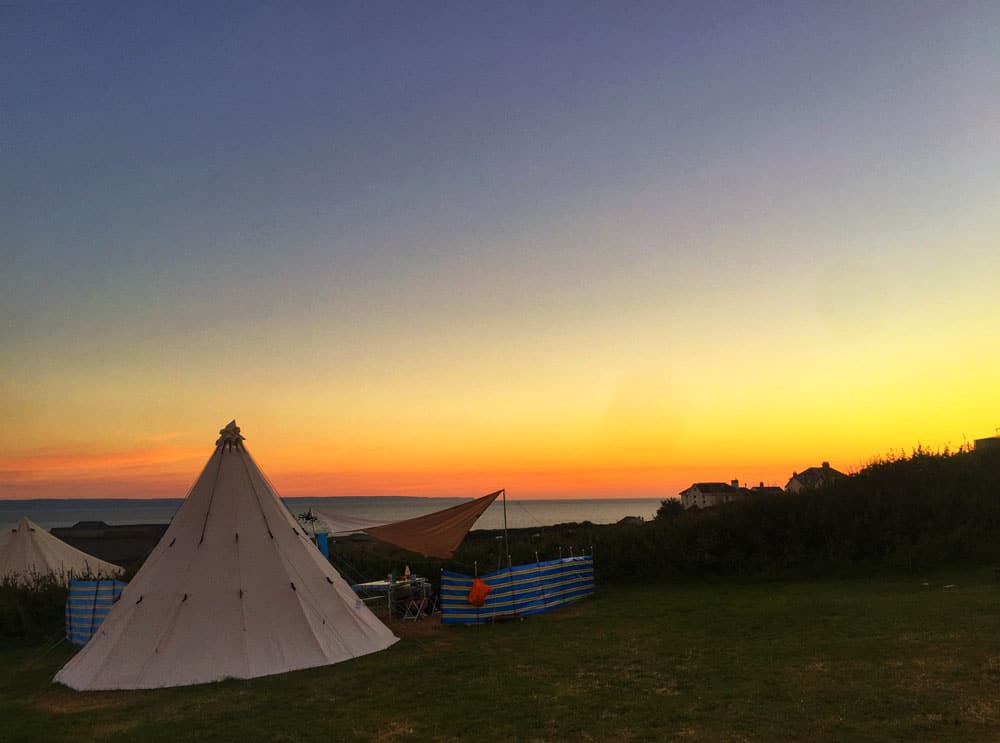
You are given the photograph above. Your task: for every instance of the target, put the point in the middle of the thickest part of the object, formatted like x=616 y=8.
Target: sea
x=49 y=513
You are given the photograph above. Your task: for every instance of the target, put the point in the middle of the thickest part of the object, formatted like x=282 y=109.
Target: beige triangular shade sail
x=234 y=589
x=339 y=524
x=32 y=552
x=435 y=534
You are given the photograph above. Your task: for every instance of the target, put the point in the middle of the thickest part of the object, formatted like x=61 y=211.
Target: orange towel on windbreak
x=478 y=592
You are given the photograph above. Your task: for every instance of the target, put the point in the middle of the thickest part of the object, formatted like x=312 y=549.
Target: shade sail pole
x=506 y=544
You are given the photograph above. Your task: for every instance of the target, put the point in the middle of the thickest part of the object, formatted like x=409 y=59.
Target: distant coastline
x=49 y=513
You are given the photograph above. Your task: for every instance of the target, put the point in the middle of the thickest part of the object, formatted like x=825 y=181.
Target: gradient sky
x=570 y=249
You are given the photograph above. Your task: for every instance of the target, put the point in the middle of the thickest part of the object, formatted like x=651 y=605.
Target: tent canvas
x=234 y=589
x=342 y=524
x=32 y=552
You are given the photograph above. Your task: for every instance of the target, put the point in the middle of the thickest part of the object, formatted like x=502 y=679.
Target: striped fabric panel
x=87 y=605
x=518 y=591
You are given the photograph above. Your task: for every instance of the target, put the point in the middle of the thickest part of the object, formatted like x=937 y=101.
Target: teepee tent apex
x=230 y=437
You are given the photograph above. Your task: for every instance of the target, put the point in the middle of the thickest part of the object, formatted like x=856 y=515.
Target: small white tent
x=32 y=552
x=234 y=589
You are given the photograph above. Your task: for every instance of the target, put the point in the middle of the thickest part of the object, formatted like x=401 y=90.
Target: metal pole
x=510 y=582
x=506 y=544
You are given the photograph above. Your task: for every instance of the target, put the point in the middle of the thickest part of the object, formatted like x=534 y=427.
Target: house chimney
x=761 y=483
x=826 y=465
x=735 y=483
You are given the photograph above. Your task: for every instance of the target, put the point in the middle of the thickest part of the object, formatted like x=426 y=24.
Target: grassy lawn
x=886 y=659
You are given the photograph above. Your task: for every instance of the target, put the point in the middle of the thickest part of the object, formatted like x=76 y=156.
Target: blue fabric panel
x=517 y=591
x=323 y=542
x=87 y=605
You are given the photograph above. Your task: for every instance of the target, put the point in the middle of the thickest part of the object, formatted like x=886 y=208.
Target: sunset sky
x=570 y=249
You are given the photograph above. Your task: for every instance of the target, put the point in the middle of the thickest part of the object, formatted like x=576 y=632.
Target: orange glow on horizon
x=644 y=434
x=168 y=472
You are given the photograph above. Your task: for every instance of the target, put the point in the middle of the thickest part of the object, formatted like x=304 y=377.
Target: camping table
x=390 y=590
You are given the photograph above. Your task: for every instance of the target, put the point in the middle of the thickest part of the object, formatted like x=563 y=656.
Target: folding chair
x=415 y=606
x=432 y=604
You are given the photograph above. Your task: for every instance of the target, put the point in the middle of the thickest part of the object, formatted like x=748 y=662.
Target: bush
x=32 y=611
x=913 y=512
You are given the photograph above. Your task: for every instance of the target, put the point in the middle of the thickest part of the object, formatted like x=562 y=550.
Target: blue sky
x=448 y=215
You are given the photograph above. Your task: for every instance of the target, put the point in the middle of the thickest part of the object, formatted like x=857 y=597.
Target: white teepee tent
x=234 y=589
x=33 y=552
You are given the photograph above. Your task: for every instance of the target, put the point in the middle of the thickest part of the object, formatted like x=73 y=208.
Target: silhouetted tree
x=669 y=509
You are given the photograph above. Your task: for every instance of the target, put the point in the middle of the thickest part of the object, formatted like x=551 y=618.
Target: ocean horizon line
x=51 y=512
x=151 y=499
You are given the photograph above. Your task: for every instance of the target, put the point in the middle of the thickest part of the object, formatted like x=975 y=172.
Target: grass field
x=886 y=659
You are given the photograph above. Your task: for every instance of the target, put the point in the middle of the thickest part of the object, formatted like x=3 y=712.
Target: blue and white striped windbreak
x=517 y=591
x=87 y=605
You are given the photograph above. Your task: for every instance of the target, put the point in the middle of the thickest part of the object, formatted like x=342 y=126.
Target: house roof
x=711 y=487
x=817 y=476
